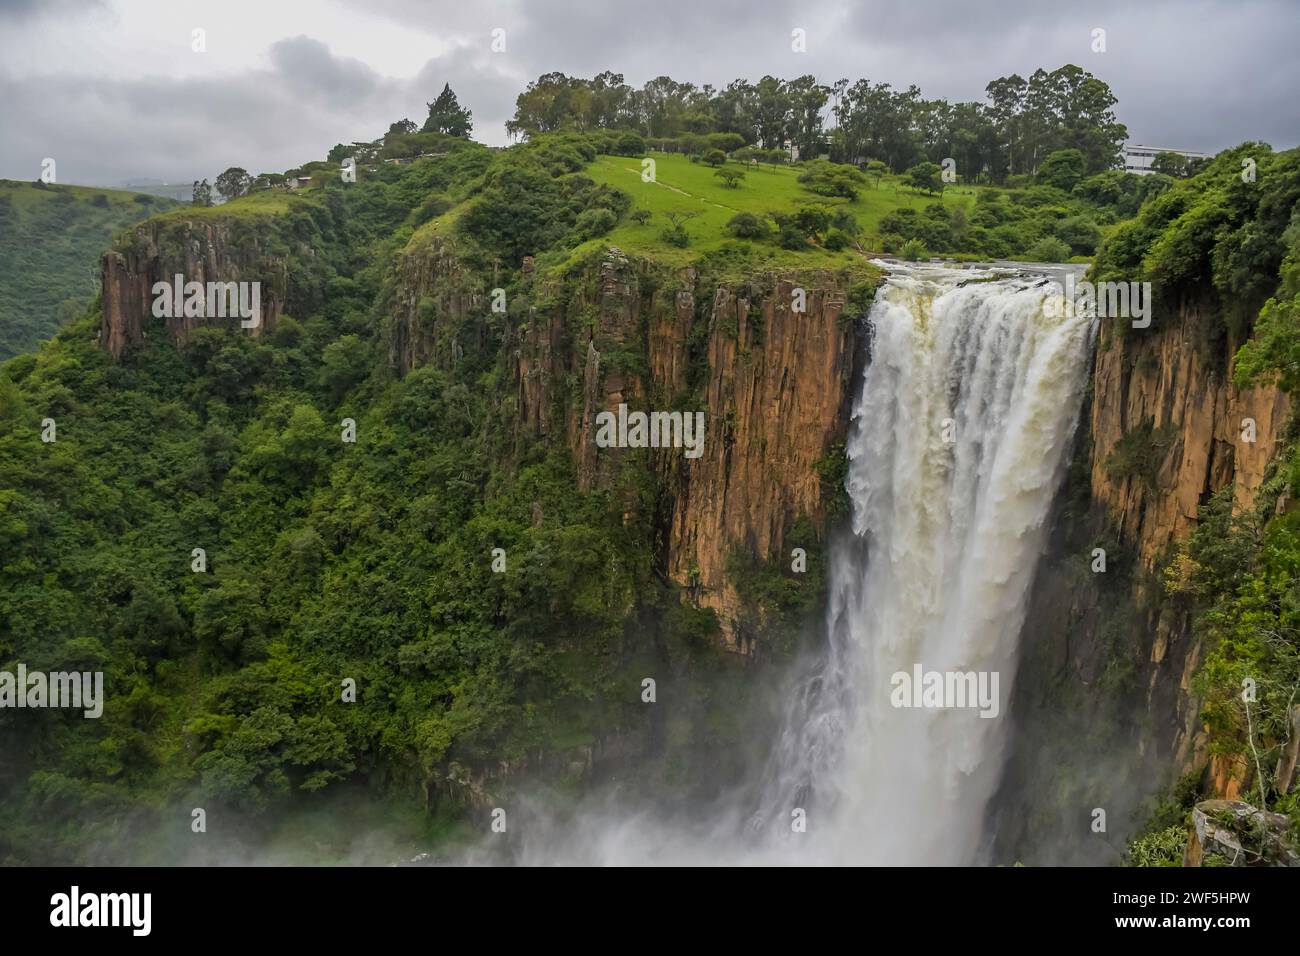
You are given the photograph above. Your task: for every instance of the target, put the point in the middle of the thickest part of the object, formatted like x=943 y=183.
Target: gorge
x=906 y=468
x=934 y=566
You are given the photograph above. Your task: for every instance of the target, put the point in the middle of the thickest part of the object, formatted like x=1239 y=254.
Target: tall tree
x=807 y=99
x=202 y=193
x=446 y=115
x=1006 y=96
x=233 y=183
x=772 y=111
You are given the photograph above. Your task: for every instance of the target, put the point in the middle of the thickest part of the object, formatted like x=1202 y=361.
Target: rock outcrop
x=776 y=399
x=773 y=386
x=202 y=249
x=1238 y=834
x=1213 y=435
x=434 y=301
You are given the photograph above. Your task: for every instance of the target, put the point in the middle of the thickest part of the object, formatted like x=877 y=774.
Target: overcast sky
x=114 y=91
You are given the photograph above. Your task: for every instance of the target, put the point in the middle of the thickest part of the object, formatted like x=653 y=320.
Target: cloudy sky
x=114 y=90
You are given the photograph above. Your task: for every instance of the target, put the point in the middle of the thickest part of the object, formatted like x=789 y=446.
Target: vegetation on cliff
x=1217 y=236
x=1238 y=575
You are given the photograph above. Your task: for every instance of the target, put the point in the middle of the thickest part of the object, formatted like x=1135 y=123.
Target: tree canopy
x=446 y=115
x=1012 y=133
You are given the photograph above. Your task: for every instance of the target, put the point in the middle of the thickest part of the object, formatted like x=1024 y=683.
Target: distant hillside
x=50 y=241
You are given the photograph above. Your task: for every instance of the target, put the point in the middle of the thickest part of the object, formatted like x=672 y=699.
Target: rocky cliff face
x=1203 y=424
x=776 y=396
x=773 y=385
x=203 y=249
x=432 y=307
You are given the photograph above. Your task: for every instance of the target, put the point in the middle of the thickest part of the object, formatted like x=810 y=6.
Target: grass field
x=26 y=194
x=269 y=202
x=683 y=186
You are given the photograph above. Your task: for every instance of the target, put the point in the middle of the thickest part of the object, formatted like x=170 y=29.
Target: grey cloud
x=107 y=132
x=31 y=9
x=1199 y=75
x=308 y=66
x=1205 y=74
x=482 y=81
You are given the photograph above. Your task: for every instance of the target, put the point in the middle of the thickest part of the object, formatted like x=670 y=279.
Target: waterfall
x=958 y=442
x=957 y=446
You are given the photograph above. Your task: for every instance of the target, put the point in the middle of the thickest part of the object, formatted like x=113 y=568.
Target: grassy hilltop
x=684 y=186
x=560 y=196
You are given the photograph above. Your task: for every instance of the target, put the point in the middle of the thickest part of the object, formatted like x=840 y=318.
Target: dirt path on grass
x=681 y=192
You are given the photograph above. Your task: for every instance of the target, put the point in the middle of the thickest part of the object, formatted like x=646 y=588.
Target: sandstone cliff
x=773 y=384
x=203 y=248
x=1166 y=378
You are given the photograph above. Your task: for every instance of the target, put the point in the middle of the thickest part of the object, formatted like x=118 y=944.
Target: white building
x=1137 y=159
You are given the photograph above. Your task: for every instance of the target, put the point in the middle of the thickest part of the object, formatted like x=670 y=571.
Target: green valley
x=51 y=236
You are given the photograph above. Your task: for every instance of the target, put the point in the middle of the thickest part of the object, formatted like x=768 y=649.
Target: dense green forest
x=51 y=236
x=325 y=561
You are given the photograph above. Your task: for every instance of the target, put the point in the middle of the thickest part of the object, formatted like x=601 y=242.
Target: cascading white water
x=956 y=449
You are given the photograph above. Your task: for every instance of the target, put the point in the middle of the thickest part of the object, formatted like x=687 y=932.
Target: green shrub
x=792 y=237
x=746 y=225
x=1079 y=233
x=676 y=236
x=1048 y=249
x=594 y=222
x=927 y=177
x=1163 y=848
x=837 y=239
x=812 y=221
x=914 y=251
x=629 y=144
x=832 y=179
x=727 y=142
x=1140 y=451
x=844 y=221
